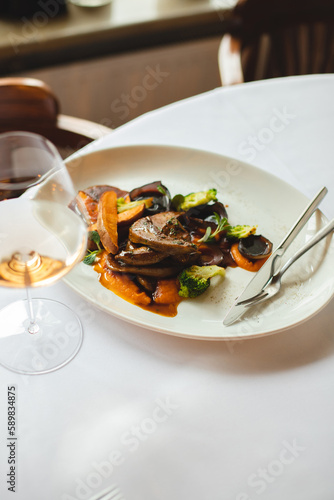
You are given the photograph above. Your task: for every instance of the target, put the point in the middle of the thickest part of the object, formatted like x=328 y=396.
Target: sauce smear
x=165 y=298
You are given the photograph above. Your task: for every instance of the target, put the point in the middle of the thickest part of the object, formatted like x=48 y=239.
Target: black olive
x=207 y=210
x=255 y=247
x=157 y=191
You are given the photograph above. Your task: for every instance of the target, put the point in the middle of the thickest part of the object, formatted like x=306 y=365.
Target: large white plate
x=252 y=197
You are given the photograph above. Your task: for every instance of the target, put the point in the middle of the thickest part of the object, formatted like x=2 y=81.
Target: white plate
x=252 y=196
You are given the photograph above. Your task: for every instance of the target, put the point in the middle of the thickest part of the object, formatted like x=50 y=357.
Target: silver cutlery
x=274 y=285
x=110 y=493
x=272 y=266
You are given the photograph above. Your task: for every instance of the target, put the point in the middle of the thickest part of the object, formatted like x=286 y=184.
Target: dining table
x=158 y=414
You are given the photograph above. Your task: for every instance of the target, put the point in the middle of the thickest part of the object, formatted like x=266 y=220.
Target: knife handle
x=304 y=217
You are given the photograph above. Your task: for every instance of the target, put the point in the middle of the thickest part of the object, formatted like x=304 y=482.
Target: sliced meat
x=169 y=224
x=140 y=256
x=163 y=232
x=130 y=245
x=161 y=271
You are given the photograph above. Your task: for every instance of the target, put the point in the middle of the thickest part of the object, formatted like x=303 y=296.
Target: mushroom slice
x=255 y=247
x=160 y=194
x=161 y=271
x=149 y=284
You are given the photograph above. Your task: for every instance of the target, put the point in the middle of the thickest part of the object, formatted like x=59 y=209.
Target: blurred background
x=112 y=63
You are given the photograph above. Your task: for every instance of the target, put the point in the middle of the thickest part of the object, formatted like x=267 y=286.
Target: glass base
x=53 y=344
x=90 y=3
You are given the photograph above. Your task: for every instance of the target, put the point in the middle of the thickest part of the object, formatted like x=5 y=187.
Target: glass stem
x=33 y=326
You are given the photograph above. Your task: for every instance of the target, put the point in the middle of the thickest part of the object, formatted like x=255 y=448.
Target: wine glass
x=41 y=239
x=90 y=3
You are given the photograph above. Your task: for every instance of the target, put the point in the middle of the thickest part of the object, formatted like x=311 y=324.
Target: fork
x=273 y=286
x=110 y=493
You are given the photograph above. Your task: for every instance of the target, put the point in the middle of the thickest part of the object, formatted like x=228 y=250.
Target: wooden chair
x=28 y=104
x=273 y=38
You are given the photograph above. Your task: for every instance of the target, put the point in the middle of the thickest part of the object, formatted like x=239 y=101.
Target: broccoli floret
x=240 y=231
x=196 y=279
x=194 y=199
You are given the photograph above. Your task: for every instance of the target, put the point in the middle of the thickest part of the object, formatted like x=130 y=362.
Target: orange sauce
x=165 y=299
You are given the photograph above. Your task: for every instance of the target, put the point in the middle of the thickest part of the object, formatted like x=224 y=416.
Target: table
x=166 y=418
x=47 y=39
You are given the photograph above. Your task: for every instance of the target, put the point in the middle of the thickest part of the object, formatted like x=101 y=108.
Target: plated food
x=250 y=195
x=155 y=250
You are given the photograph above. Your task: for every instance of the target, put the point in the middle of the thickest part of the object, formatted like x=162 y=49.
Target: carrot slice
x=245 y=263
x=167 y=292
x=130 y=216
x=107 y=221
x=123 y=286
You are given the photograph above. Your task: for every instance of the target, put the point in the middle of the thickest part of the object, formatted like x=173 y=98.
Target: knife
x=272 y=265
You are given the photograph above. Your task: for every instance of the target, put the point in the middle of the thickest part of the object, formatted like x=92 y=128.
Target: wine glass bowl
x=41 y=239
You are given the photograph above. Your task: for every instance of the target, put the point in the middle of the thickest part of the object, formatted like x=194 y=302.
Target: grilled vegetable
x=195 y=280
x=191 y=200
x=107 y=221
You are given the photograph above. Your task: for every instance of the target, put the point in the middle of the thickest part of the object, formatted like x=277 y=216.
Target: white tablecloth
x=167 y=418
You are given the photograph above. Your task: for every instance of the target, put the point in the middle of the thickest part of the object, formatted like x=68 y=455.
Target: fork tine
x=108 y=493
x=258 y=300
x=118 y=497
x=255 y=299
x=112 y=496
x=265 y=296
